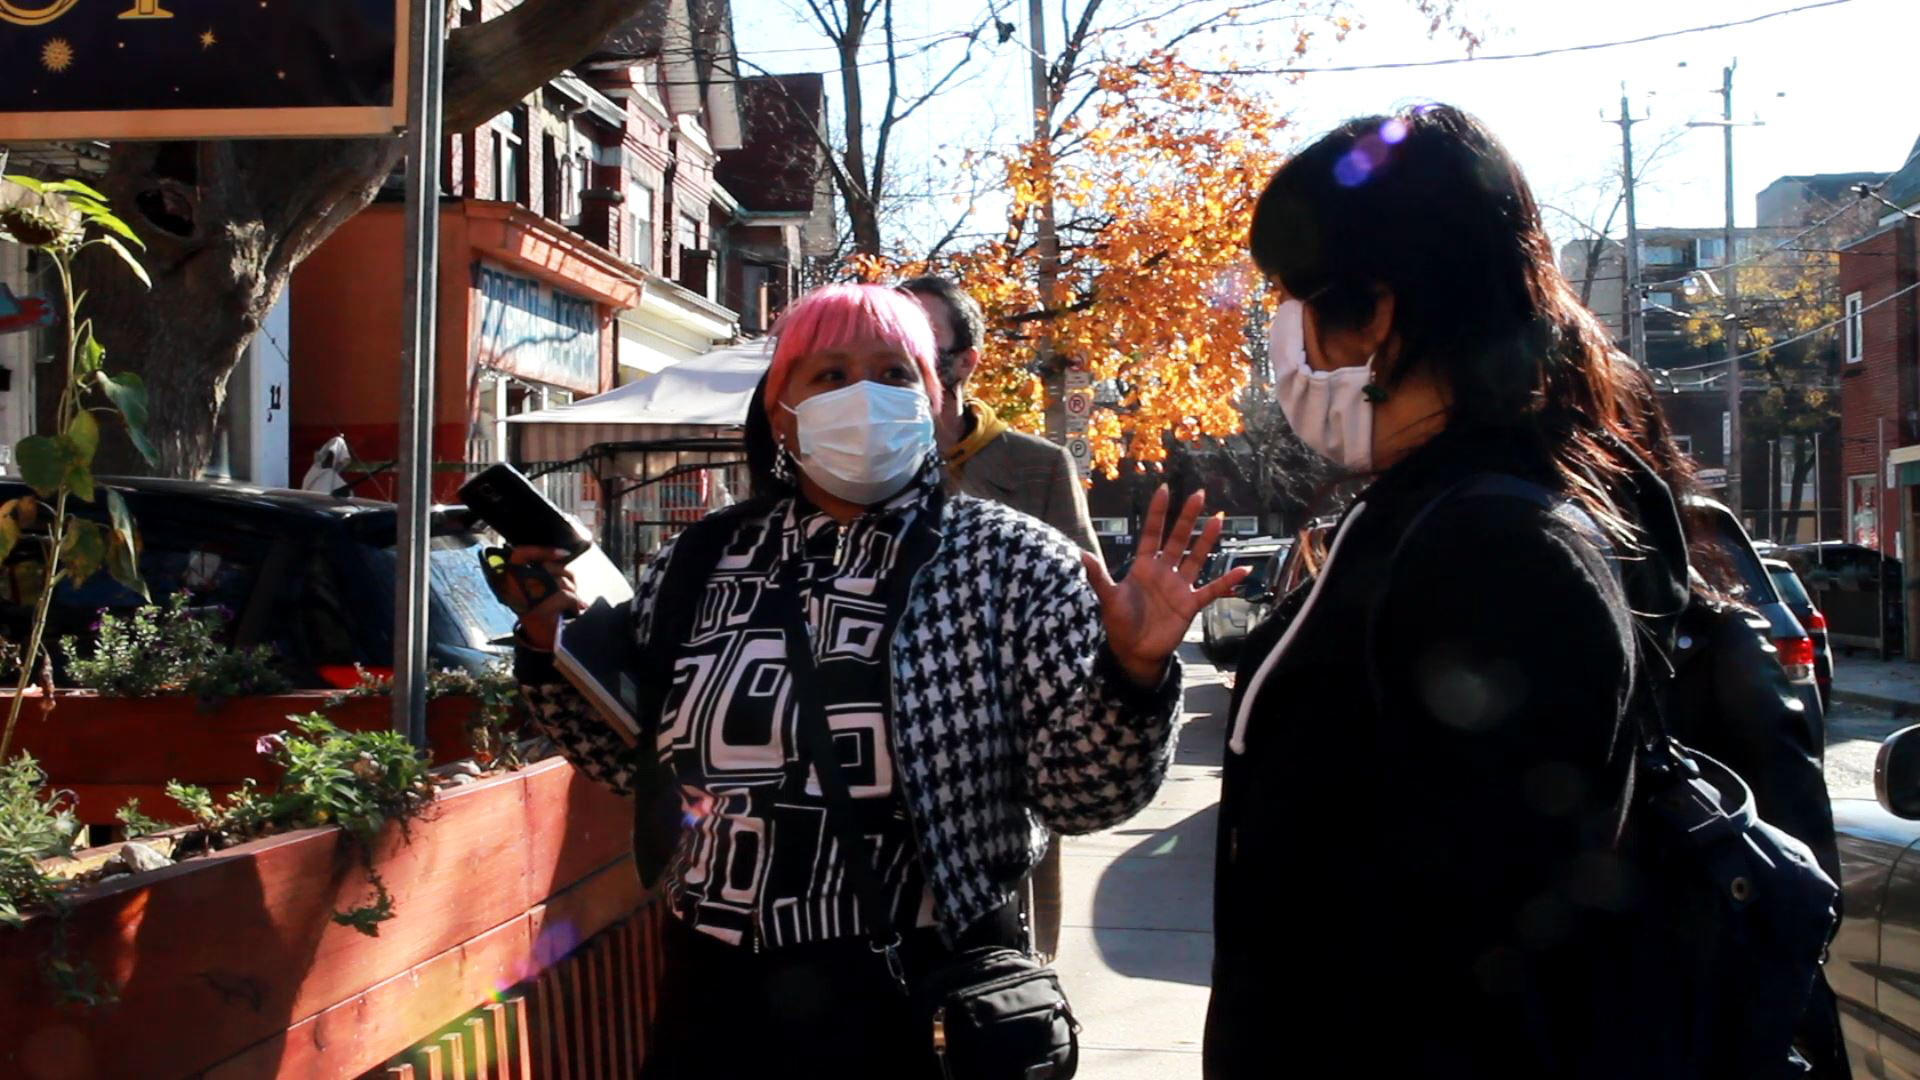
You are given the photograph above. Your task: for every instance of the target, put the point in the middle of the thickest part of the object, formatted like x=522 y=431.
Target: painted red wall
x=346 y=339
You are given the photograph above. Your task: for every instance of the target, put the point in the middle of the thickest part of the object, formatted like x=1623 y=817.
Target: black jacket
x=1429 y=767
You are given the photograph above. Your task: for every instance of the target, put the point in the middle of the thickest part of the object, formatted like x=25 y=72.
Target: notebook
x=595 y=652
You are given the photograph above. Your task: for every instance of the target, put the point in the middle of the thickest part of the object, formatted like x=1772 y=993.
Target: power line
x=1842 y=320
x=1536 y=54
x=1788 y=243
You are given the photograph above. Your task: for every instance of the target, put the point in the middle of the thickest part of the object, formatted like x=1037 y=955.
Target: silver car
x=1874 y=967
x=1225 y=622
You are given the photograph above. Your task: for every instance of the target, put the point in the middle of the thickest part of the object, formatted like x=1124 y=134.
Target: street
x=1854 y=733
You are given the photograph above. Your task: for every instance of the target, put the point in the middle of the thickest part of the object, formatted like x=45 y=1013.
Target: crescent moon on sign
x=13 y=13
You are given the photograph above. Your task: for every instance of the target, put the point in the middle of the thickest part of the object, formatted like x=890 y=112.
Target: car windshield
x=461 y=585
x=464 y=612
x=1791 y=590
x=1255 y=559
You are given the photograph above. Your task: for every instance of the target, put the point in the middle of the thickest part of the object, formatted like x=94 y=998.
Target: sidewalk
x=1136 y=943
x=1889 y=685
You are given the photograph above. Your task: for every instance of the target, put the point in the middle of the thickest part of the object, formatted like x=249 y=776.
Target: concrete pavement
x=1887 y=685
x=1136 y=941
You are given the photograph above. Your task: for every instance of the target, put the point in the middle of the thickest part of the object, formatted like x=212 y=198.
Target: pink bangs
x=836 y=315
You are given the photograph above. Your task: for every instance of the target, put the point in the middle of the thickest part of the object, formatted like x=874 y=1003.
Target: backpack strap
x=658 y=817
x=696 y=552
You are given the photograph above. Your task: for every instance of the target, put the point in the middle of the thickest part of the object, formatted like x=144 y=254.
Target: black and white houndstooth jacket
x=1012 y=716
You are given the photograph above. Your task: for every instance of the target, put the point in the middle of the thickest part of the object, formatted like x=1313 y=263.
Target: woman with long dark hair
x=1429 y=758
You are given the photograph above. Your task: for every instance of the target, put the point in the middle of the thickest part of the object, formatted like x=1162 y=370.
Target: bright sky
x=1839 y=67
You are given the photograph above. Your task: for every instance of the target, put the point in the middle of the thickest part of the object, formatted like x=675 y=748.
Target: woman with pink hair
x=970 y=679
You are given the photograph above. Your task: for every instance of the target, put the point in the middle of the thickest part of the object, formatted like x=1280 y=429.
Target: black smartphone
x=507 y=501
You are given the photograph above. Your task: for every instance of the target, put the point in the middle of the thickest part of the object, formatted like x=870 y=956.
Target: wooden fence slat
x=593 y=1003
x=455 y=1044
x=430 y=1062
x=623 y=1011
x=522 y=1039
x=477 y=1036
x=498 y=1013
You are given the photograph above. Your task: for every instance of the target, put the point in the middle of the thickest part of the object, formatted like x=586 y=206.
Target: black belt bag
x=998 y=1014
x=990 y=1012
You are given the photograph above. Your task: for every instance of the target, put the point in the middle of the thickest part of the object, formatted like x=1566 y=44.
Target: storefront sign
x=148 y=69
x=537 y=332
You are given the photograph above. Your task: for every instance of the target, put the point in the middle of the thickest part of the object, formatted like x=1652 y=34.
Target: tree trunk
x=1802 y=468
x=226 y=223
x=862 y=202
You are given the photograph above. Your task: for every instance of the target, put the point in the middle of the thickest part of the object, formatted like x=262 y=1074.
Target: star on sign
x=208 y=41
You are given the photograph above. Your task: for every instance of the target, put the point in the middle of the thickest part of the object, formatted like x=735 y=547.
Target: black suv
x=309 y=574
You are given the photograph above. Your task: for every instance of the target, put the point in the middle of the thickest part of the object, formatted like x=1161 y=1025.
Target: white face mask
x=1330 y=410
x=864 y=443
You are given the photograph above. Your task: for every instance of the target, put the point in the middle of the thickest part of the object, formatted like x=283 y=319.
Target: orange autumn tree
x=1153 y=188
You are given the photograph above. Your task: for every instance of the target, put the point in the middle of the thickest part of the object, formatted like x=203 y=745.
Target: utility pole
x=1046 y=239
x=1633 y=319
x=1731 y=288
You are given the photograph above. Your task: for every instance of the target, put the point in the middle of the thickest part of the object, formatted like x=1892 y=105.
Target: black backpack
x=1733 y=917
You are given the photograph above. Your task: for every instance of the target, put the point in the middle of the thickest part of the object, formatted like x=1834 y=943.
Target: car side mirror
x=1253 y=590
x=1896 y=774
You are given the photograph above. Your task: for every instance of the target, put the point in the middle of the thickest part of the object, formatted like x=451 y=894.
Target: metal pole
x=414 y=462
x=1880 y=528
x=1732 y=290
x=1630 y=299
x=1773 y=489
x=1819 y=512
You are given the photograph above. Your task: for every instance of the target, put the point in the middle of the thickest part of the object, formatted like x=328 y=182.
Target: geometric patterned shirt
x=762 y=865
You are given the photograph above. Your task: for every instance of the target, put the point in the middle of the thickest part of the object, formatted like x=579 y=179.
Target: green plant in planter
x=358 y=780
x=491 y=728
x=136 y=823
x=157 y=651
x=37 y=825
x=60 y=221
x=34 y=825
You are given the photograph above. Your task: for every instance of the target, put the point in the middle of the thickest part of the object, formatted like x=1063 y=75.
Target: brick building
x=1880 y=381
x=1670 y=262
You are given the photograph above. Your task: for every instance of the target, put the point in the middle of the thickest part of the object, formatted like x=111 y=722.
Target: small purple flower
x=269 y=746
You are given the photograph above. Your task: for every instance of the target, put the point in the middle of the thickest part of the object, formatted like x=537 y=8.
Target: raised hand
x=1147 y=613
x=539 y=622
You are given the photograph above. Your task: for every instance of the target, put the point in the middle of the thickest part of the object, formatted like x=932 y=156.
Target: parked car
x=1857 y=588
x=1874 y=963
x=1225 y=622
x=1793 y=593
x=310 y=574
x=1721 y=545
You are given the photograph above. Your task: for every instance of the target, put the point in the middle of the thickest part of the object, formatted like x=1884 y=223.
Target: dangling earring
x=783 y=465
x=1373 y=391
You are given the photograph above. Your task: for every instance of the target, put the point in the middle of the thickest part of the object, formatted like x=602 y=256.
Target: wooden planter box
x=231 y=965
x=107 y=750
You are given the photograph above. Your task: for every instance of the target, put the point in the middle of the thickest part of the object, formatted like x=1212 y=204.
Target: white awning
x=702 y=400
